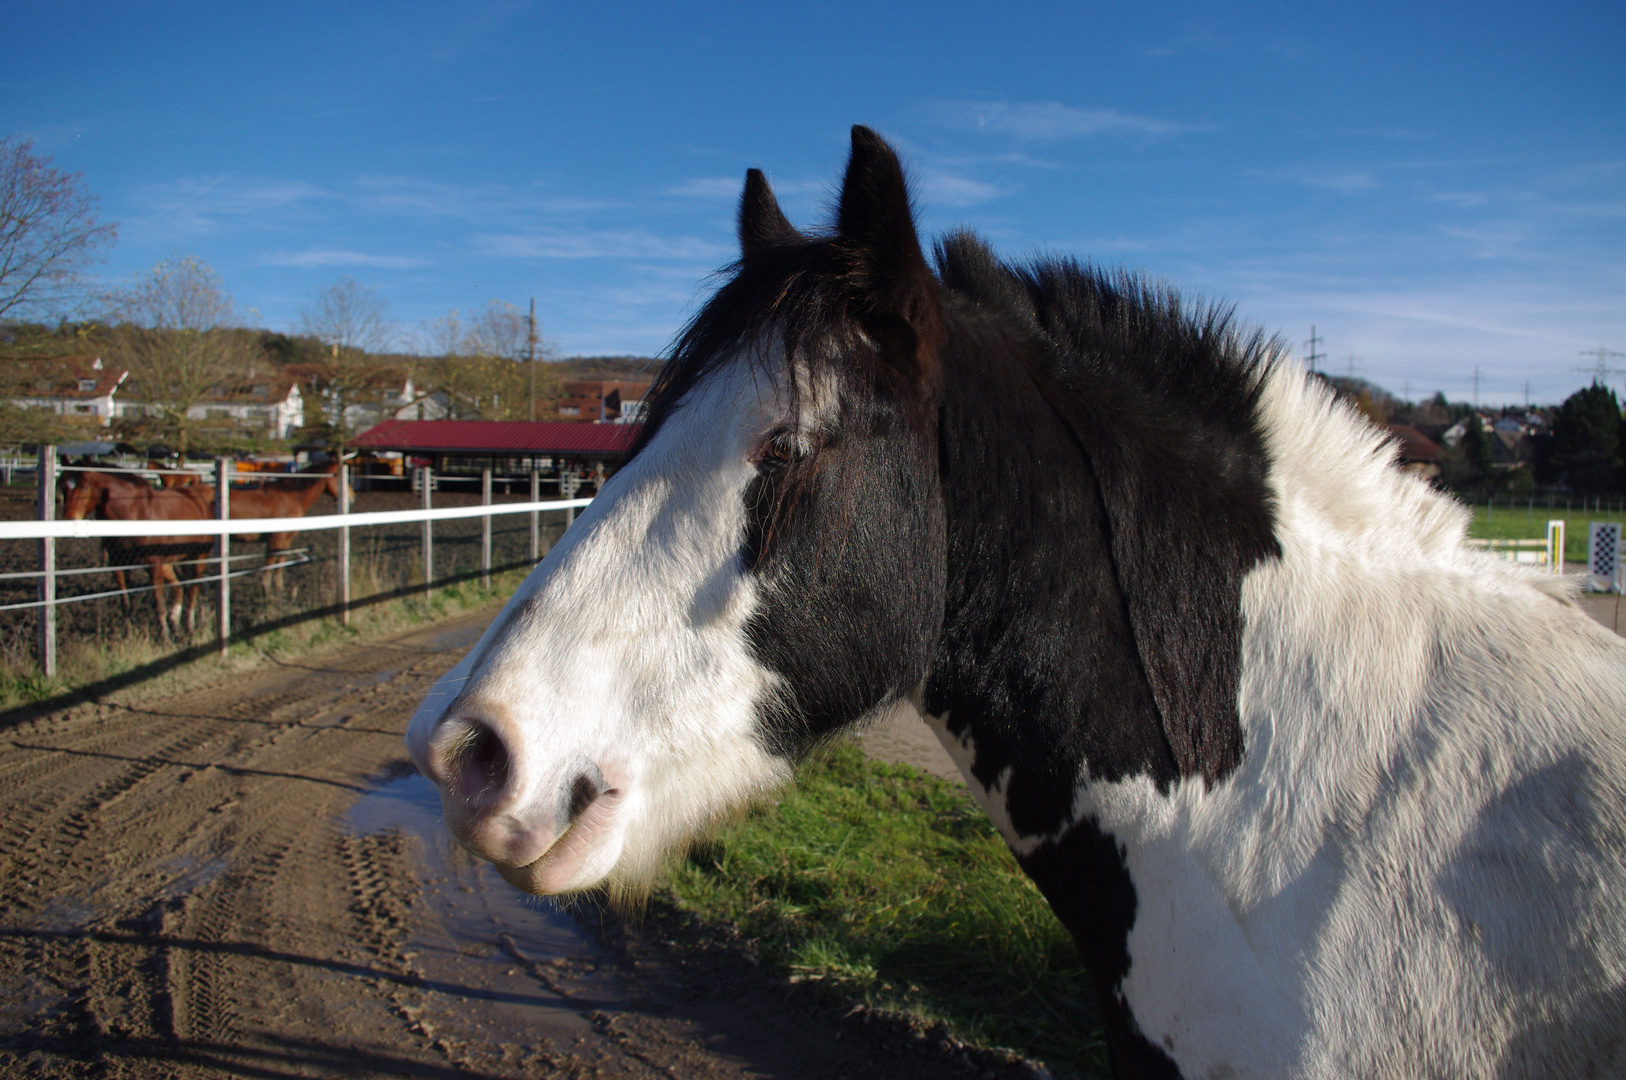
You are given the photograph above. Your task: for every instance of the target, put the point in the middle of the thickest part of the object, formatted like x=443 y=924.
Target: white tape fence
x=47 y=530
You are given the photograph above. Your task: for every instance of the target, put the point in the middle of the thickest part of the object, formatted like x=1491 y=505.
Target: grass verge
x=83 y=664
x=879 y=884
x=1499 y=522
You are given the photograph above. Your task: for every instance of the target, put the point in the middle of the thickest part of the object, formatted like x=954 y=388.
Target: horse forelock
x=794 y=313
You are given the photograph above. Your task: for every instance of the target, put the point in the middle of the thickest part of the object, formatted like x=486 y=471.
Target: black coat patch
x=1084 y=877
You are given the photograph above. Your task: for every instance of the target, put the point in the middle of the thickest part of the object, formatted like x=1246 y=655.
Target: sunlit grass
x=881 y=884
x=1527 y=521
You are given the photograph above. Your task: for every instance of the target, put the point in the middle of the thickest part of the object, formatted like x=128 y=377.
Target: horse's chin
x=584 y=856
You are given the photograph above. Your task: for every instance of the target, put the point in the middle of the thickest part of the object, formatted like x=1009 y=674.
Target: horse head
x=82 y=494
x=766 y=570
x=332 y=485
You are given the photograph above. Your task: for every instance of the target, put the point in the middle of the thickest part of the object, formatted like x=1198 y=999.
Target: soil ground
x=245 y=882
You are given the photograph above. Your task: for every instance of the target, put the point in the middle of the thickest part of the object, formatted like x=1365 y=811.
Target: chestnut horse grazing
x=1318 y=790
x=120 y=498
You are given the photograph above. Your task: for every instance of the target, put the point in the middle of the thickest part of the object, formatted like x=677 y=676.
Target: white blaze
x=626 y=648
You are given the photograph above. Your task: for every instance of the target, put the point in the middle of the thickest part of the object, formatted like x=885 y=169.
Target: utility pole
x=1313 y=342
x=1351 y=360
x=1476 y=388
x=1601 y=371
x=530 y=356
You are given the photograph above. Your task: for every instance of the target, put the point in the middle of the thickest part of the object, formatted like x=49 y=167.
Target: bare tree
x=499 y=331
x=177 y=325
x=443 y=336
x=48 y=233
x=481 y=364
x=352 y=321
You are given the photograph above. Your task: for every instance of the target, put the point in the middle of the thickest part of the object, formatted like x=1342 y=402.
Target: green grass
x=879 y=884
x=1521 y=522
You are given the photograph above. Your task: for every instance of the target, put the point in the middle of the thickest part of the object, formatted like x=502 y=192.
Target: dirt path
x=248 y=881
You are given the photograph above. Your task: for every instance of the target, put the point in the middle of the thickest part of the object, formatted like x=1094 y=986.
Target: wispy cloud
x=342 y=258
x=198 y=205
x=948 y=189
x=1346 y=182
x=708 y=187
x=1051 y=121
x=599 y=244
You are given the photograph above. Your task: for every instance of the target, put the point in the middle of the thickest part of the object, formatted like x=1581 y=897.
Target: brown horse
x=120 y=498
x=170 y=478
x=288 y=497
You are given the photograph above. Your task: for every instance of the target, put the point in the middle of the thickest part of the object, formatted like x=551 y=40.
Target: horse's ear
x=762 y=224
x=876 y=224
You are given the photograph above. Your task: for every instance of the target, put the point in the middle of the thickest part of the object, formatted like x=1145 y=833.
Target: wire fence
x=59 y=580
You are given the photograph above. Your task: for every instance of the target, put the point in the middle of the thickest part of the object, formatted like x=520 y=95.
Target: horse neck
x=307 y=495
x=1029 y=575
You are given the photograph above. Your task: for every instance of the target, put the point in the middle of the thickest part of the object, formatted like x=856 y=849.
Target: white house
x=76 y=386
x=268 y=403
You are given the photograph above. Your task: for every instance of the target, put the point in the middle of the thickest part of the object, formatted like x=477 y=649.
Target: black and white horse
x=1318 y=790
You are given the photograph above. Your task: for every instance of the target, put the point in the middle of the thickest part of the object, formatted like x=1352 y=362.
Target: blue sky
x=1435 y=187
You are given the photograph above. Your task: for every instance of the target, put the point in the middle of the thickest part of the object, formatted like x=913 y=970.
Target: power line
x=1313 y=342
x=1601 y=370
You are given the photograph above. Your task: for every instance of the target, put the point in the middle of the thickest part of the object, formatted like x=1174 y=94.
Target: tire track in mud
x=136 y=838
x=180 y=897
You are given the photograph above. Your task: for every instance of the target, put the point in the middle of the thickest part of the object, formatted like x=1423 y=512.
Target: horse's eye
x=778 y=451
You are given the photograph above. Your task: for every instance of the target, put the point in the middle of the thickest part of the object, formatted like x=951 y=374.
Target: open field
x=1528 y=521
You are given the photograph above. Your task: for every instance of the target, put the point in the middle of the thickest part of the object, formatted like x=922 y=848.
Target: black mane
x=1117 y=331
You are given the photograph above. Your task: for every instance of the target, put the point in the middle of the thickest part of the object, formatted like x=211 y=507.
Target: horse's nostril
x=584 y=791
x=478 y=762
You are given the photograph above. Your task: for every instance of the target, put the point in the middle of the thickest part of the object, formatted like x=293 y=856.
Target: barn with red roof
x=566 y=454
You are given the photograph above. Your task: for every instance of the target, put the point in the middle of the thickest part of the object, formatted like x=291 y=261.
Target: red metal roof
x=498 y=436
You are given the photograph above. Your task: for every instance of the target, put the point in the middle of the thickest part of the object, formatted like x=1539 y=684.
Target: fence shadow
x=19 y=714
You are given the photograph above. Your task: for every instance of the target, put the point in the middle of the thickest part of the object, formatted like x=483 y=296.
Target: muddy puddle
x=458 y=637
x=520 y=968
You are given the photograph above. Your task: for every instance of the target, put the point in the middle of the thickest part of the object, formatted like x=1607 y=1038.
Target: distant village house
x=76 y=387
x=603 y=401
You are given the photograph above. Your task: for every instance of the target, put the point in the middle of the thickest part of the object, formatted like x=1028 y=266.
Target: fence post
x=46 y=502
x=225 y=468
x=485 y=529
x=344 y=547
x=536 y=518
x=428 y=532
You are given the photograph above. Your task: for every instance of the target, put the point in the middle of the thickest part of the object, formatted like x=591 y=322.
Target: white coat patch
x=626 y=648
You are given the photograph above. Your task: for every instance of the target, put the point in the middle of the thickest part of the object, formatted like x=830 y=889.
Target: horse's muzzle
x=541 y=828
